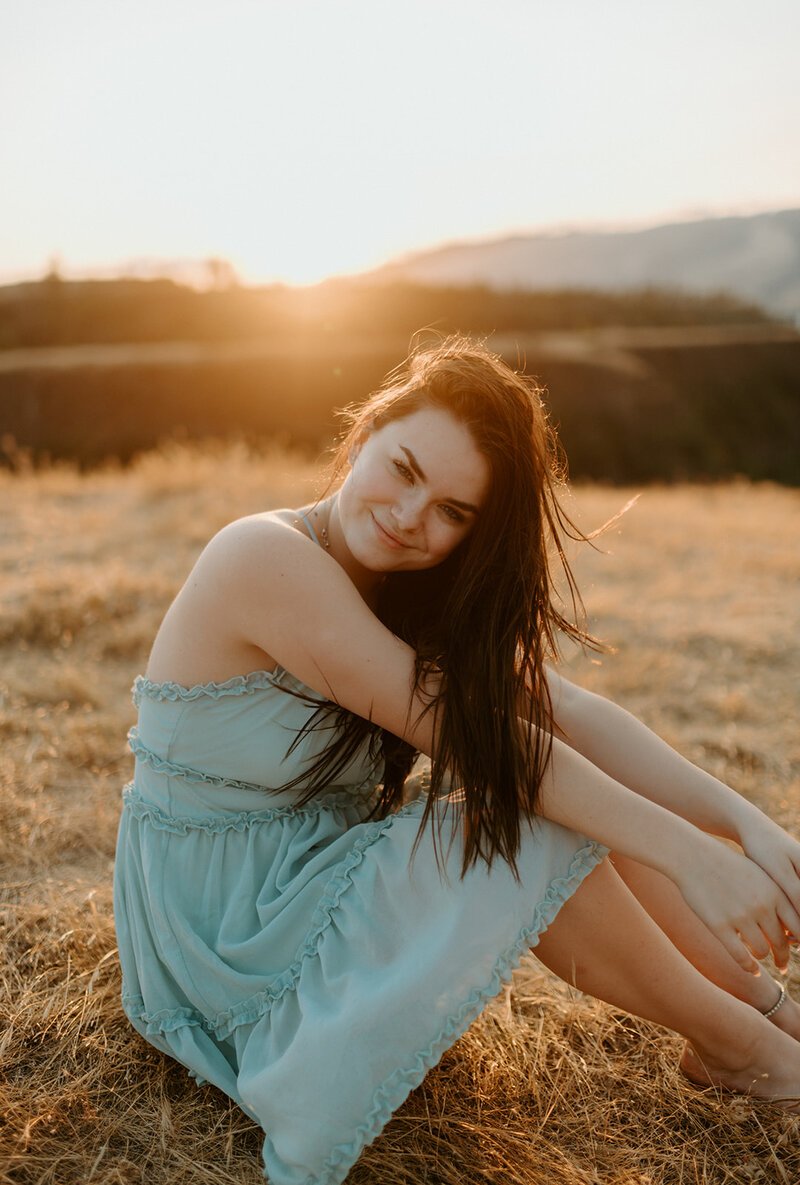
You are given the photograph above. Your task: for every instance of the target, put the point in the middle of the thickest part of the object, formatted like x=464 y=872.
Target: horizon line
x=180 y=270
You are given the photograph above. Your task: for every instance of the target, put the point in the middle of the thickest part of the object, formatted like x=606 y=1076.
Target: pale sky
x=302 y=138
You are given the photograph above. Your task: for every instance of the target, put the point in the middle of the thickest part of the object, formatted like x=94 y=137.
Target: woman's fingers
x=739 y=951
x=747 y=909
x=780 y=953
x=786 y=923
x=767 y=935
x=755 y=938
x=789 y=919
x=787 y=881
x=756 y=942
x=785 y=877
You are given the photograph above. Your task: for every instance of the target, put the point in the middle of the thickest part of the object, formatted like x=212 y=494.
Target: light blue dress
x=292 y=955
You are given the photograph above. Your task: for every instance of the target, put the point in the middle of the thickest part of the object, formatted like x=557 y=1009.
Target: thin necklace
x=323 y=531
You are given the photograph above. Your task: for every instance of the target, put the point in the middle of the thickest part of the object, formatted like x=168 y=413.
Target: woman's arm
x=275 y=590
x=628 y=751
x=623 y=747
x=742 y=905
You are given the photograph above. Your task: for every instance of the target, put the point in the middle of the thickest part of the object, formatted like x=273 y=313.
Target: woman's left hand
x=769 y=846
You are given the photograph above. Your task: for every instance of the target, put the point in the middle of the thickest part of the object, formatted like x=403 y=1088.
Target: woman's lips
x=387 y=538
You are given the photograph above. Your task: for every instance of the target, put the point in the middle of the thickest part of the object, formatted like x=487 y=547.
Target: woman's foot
x=753 y=1079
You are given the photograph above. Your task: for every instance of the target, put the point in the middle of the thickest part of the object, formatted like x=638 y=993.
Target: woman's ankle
x=719 y=1061
x=767 y=1067
x=787 y=1017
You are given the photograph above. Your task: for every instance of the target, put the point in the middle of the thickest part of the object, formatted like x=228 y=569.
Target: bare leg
x=662 y=900
x=604 y=942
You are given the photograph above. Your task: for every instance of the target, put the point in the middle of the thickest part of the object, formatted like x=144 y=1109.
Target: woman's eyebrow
x=415 y=465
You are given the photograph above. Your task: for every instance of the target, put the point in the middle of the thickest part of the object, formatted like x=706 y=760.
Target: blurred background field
x=644 y=384
x=695 y=587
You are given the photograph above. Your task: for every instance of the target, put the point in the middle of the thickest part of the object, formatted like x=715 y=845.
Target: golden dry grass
x=699 y=594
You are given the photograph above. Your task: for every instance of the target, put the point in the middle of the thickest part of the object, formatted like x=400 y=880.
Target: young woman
x=299 y=929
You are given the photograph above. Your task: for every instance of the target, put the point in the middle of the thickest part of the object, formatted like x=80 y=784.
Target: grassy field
x=697 y=589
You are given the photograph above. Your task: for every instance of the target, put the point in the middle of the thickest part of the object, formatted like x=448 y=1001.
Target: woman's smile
x=387 y=538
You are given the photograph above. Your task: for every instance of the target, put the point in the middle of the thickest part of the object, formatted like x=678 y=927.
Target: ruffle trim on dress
x=172 y=769
x=397 y=1087
x=237 y=685
x=250 y=1010
x=238 y=821
x=194 y=777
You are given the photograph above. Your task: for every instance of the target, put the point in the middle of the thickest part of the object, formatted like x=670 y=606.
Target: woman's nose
x=407 y=512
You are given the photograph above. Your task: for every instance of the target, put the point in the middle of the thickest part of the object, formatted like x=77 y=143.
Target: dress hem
x=392 y=1093
x=396 y=1088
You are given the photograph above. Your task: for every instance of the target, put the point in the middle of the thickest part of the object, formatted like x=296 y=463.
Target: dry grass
x=547 y=1088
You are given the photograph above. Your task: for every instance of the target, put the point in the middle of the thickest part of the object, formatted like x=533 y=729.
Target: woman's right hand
x=739 y=903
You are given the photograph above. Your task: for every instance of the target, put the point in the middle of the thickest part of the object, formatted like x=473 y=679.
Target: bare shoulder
x=245 y=536
x=263 y=593
x=262 y=552
x=208 y=631
x=272 y=585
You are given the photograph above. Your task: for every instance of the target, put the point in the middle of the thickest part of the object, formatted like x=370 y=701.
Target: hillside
x=756 y=258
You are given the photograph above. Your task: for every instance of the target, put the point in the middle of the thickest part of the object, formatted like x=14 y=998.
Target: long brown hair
x=486 y=619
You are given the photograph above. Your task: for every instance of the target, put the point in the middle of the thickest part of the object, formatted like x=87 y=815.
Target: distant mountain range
x=754 y=257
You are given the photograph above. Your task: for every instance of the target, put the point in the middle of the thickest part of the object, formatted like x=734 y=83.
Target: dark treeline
x=55 y=312
x=631 y=406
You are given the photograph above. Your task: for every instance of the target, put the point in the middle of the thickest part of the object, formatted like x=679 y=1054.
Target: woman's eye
x=454 y=515
x=404 y=471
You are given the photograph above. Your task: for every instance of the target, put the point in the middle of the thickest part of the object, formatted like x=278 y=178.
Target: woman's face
x=414 y=492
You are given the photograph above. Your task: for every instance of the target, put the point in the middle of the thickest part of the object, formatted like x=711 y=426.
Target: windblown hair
x=486 y=619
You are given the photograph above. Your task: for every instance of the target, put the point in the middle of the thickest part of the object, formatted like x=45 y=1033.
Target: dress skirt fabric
x=298 y=958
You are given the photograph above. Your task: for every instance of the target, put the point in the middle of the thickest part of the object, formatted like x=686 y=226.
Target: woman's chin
x=370 y=551
x=383 y=563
